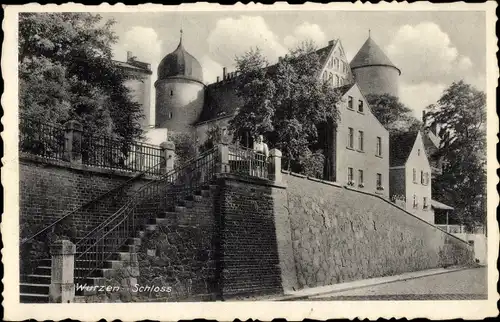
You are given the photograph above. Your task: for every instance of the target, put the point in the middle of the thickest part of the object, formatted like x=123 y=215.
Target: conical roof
x=370 y=54
x=180 y=63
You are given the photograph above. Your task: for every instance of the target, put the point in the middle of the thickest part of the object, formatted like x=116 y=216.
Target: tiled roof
x=400 y=147
x=221 y=99
x=371 y=54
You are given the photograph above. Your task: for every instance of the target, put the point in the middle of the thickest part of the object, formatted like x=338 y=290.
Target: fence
x=247 y=162
x=41 y=139
x=71 y=143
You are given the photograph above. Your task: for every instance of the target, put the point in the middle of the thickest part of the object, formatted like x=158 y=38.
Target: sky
x=431 y=48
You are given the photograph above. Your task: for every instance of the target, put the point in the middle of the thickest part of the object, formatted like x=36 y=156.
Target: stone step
x=33 y=288
x=35 y=279
x=33 y=298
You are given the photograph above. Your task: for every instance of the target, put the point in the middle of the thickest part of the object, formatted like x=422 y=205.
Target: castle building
x=139 y=84
x=373 y=70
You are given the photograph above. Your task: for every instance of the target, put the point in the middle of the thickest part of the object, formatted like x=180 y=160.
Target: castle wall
x=341 y=235
x=179 y=102
x=377 y=80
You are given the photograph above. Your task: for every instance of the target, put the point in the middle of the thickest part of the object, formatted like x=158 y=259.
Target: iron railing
x=247 y=162
x=38 y=138
x=49 y=141
x=150 y=199
x=109 y=153
x=76 y=223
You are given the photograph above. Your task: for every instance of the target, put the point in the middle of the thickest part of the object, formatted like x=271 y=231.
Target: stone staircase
x=34 y=288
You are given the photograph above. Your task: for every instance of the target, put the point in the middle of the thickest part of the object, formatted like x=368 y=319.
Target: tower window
x=171 y=93
x=170 y=115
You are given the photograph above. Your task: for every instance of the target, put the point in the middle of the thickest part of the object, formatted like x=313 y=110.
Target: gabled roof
x=370 y=54
x=221 y=99
x=400 y=147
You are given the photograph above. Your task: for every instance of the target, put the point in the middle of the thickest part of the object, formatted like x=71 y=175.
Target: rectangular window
x=379 y=146
x=350 y=139
x=422 y=179
x=350 y=175
x=360 y=141
x=415 y=203
x=414 y=175
x=360 y=106
x=360 y=177
x=425 y=203
x=427 y=178
x=379 y=179
x=350 y=103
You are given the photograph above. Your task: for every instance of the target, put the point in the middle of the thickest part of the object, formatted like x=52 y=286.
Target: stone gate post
x=168 y=154
x=62 y=285
x=275 y=171
x=73 y=141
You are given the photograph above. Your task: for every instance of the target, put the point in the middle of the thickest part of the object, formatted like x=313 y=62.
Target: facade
x=373 y=70
x=410 y=174
x=357 y=150
x=361 y=148
x=139 y=85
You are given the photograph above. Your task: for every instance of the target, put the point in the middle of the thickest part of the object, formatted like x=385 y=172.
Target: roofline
x=180 y=77
x=132 y=67
x=370 y=65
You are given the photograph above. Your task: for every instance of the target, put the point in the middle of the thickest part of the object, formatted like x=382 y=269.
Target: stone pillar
x=62 y=286
x=223 y=158
x=168 y=154
x=275 y=173
x=73 y=141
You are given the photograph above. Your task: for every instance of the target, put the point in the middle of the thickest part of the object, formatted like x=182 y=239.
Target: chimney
x=330 y=42
x=129 y=55
x=218 y=79
x=224 y=73
x=423 y=117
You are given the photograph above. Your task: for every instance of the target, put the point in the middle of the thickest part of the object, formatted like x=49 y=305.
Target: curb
x=396 y=278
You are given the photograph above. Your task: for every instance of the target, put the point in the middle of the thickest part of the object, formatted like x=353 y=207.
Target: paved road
x=467 y=284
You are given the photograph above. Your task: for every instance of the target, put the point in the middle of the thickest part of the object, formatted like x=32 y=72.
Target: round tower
x=179 y=91
x=374 y=72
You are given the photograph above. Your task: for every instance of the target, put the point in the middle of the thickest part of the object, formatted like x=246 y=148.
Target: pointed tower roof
x=180 y=63
x=370 y=54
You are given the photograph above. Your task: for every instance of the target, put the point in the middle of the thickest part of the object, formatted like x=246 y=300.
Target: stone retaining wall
x=341 y=235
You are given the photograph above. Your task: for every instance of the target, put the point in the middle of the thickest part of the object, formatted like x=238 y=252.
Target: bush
x=312 y=163
x=185 y=147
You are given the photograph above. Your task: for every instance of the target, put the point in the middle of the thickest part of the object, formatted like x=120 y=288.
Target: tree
x=460 y=113
x=185 y=147
x=394 y=115
x=286 y=102
x=66 y=72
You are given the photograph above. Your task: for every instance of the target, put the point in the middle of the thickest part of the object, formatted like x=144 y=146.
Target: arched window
x=336 y=64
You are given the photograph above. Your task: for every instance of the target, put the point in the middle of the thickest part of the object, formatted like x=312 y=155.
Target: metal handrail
x=93 y=244
x=91 y=202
